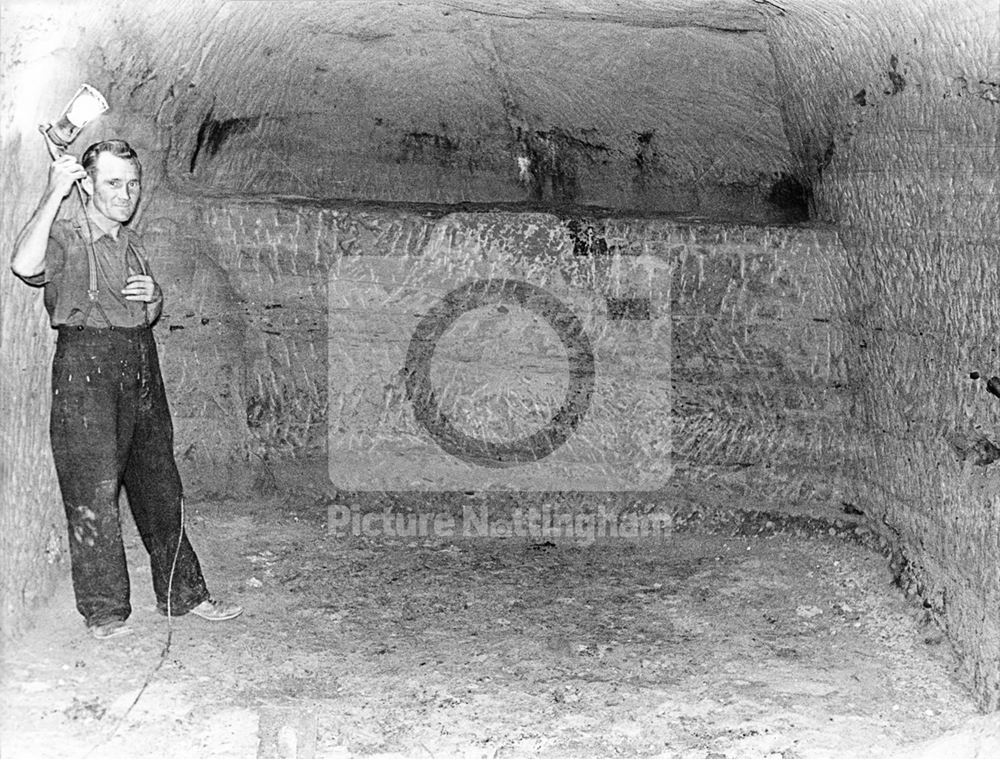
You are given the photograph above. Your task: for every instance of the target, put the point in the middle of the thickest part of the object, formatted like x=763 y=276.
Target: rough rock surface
x=899 y=126
x=882 y=120
x=750 y=401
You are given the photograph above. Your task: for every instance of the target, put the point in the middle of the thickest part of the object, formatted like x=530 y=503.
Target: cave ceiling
x=647 y=106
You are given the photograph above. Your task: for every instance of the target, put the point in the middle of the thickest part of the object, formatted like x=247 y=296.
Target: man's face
x=114 y=187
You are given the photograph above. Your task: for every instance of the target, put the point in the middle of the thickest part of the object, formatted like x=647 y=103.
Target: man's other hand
x=141 y=287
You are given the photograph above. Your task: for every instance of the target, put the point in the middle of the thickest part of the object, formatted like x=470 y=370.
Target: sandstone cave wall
x=31 y=520
x=754 y=355
x=891 y=117
x=32 y=525
x=894 y=112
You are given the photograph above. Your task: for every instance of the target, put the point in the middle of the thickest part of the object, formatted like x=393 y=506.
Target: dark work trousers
x=111 y=426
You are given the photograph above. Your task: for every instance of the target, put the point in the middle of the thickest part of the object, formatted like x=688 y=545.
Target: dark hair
x=117 y=148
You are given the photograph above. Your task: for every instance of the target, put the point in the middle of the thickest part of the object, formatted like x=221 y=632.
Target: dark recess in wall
x=646 y=157
x=792 y=196
x=587 y=241
x=213 y=133
x=895 y=78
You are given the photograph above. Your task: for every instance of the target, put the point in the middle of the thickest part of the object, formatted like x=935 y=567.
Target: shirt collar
x=85 y=225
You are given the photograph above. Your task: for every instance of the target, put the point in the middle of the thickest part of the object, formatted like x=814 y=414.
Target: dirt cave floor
x=697 y=646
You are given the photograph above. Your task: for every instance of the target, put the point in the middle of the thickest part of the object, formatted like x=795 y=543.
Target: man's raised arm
x=29 y=249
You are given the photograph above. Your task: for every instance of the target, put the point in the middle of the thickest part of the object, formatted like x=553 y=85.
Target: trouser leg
x=153 y=485
x=87 y=448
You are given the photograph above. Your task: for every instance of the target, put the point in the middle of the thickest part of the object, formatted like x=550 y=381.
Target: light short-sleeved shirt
x=67 y=276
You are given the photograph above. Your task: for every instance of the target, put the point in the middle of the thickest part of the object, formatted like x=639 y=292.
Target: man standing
x=110 y=424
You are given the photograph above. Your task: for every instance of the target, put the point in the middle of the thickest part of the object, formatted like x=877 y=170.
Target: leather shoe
x=216 y=611
x=112 y=629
